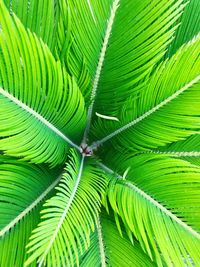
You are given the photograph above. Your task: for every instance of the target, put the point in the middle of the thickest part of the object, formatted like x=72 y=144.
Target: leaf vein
x=99 y=67
x=145 y=115
x=38 y=117
x=29 y=208
x=154 y=202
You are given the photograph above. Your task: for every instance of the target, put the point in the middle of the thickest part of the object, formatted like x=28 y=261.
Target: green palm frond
x=168 y=179
x=108 y=248
x=88 y=29
x=187 y=149
x=22 y=189
x=46 y=23
x=166 y=111
x=143 y=35
x=189 y=26
x=69 y=216
x=140 y=35
x=40 y=103
x=13 y=244
x=160 y=201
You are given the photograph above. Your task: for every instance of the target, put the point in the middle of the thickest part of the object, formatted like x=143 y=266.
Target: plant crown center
x=86 y=150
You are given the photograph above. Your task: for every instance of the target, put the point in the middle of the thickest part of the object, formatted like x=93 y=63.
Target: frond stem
x=29 y=208
x=38 y=117
x=154 y=202
x=174 y=153
x=101 y=243
x=145 y=115
x=99 y=67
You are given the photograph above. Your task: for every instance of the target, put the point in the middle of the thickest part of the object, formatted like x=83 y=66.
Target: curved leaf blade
x=118 y=250
x=166 y=111
x=47 y=94
x=153 y=204
x=69 y=216
x=189 y=26
x=40 y=17
x=22 y=187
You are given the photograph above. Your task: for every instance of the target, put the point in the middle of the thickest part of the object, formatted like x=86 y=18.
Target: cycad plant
x=99 y=133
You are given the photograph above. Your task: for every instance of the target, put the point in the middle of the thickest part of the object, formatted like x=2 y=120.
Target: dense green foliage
x=99 y=133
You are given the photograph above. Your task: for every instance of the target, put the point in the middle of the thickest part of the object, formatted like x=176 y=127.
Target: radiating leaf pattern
x=99 y=133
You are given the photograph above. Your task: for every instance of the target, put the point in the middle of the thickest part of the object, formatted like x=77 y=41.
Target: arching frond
x=189 y=26
x=40 y=17
x=140 y=35
x=79 y=49
x=69 y=216
x=187 y=149
x=13 y=244
x=159 y=201
x=111 y=52
x=41 y=108
x=166 y=111
x=117 y=250
x=23 y=187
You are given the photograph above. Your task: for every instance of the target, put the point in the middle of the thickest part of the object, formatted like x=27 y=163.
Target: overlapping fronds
x=38 y=16
x=159 y=201
x=122 y=42
x=85 y=26
x=22 y=186
x=116 y=80
x=22 y=189
x=69 y=216
x=189 y=26
x=40 y=104
x=108 y=248
x=166 y=111
x=13 y=244
x=141 y=32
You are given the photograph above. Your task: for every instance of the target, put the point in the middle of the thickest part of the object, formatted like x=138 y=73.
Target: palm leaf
x=108 y=248
x=13 y=244
x=189 y=26
x=40 y=17
x=85 y=26
x=166 y=111
x=69 y=216
x=40 y=109
x=136 y=44
x=22 y=189
x=108 y=38
x=187 y=149
x=152 y=203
